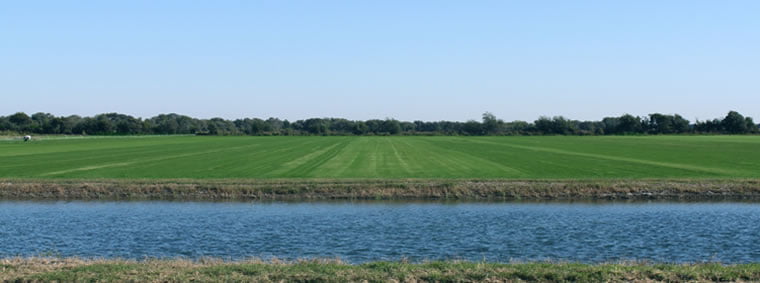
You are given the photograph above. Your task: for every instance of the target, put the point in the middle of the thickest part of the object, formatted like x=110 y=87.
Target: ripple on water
x=359 y=232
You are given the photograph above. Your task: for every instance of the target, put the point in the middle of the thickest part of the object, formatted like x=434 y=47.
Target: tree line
x=170 y=124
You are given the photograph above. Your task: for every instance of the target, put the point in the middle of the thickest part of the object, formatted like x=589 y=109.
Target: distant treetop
x=170 y=124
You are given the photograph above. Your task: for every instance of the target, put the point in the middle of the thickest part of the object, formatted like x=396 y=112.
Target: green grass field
x=546 y=157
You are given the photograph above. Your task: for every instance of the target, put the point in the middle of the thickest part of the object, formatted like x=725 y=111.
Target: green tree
x=680 y=125
x=43 y=123
x=491 y=125
x=360 y=128
x=751 y=126
x=472 y=128
x=734 y=123
x=629 y=125
x=316 y=126
x=20 y=122
x=391 y=126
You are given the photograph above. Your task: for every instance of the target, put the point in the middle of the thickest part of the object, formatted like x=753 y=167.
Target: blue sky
x=409 y=60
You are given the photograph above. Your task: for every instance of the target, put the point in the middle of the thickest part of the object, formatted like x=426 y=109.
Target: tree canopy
x=171 y=124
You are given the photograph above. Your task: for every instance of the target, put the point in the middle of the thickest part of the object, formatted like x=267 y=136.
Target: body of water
x=370 y=231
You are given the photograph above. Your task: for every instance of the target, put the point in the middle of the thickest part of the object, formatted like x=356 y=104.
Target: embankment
x=380 y=189
x=70 y=270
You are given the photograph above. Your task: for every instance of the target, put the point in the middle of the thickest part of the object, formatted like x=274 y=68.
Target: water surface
x=360 y=232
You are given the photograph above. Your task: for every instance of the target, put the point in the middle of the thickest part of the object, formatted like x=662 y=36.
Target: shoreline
x=174 y=270
x=378 y=189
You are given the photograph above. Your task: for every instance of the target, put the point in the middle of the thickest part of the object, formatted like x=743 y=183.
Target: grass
x=518 y=158
x=546 y=167
x=379 y=189
x=71 y=269
x=189 y=167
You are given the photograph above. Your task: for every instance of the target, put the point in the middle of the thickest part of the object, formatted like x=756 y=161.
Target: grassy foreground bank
x=379 y=189
x=67 y=269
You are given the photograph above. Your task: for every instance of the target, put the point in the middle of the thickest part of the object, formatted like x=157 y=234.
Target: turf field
x=546 y=157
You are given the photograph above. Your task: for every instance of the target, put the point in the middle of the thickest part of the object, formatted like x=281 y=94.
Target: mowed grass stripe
x=86 y=158
x=709 y=151
x=151 y=160
x=557 y=164
x=274 y=158
x=467 y=163
x=399 y=158
x=71 y=159
x=313 y=161
x=337 y=165
x=402 y=157
x=136 y=155
x=228 y=157
x=385 y=157
x=702 y=169
x=56 y=145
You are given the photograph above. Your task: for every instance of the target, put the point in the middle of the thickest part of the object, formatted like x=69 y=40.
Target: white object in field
x=27 y=138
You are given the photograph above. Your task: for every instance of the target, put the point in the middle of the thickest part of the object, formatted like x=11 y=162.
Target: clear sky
x=409 y=60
